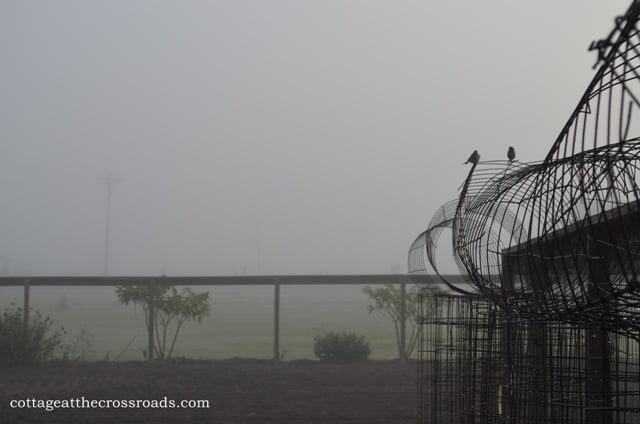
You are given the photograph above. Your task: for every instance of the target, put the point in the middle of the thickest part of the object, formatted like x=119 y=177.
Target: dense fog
x=288 y=137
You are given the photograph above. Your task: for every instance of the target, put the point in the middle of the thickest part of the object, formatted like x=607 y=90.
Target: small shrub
x=173 y=308
x=337 y=347
x=77 y=346
x=39 y=343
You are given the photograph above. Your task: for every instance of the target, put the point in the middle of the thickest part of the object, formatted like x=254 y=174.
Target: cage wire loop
x=545 y=326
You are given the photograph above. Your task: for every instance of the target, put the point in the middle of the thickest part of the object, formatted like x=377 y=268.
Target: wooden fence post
x=152 y=318
x=25 y=310
x=403 y=321
x=276 y=322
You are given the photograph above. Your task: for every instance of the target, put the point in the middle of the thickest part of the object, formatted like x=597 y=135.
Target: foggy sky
x=266 y=137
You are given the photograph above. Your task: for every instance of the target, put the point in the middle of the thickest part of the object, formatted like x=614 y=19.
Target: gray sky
x=266 y=136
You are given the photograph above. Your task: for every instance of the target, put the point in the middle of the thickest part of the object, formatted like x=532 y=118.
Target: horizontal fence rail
x=251 y=280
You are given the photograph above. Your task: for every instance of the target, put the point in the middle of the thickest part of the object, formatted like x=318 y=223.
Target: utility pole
x=109 y=181
x=258 y=243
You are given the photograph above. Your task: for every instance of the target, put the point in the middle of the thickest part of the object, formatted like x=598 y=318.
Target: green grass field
x=240 y=324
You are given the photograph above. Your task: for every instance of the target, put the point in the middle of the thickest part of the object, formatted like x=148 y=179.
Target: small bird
x=511 y=154
x=474 y=158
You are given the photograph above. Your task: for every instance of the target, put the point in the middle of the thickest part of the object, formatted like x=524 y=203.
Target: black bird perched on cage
x=511 y=154
x=474 y=158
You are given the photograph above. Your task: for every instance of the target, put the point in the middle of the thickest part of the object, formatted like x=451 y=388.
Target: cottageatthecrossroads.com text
x=81 y=403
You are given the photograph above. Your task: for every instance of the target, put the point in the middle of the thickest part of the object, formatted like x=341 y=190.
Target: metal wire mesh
x=478 y=364
x=459 y=360
x=566 y=373
x=547 y=328
x=560 y=238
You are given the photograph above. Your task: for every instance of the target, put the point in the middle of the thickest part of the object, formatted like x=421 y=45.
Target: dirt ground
x=238 y=391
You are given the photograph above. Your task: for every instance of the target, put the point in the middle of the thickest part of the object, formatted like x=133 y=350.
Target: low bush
x=339 y=347
x=38 y=343
x=77 y=346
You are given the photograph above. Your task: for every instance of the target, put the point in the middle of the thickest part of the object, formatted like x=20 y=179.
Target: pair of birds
x=475 y=156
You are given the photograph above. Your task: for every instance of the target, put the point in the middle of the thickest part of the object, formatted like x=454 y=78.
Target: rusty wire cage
x=553 y=375
x=561 y=238
x=545 y=325
x=459 y=360
x=478 y=364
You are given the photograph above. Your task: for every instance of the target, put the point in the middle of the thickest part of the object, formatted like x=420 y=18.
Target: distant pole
x=107 y=225
x=258 y=243
x=109 y=181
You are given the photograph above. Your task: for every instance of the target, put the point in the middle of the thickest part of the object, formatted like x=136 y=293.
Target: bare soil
x=238 y=391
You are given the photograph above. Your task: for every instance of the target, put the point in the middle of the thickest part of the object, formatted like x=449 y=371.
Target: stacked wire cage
x=543 y=325
x=459 y=360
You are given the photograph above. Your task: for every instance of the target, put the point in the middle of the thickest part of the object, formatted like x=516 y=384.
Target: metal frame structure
x=547 y=330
